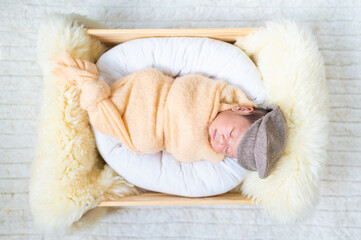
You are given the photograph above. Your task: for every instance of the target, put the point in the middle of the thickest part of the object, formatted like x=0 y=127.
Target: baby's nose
x=221 y=139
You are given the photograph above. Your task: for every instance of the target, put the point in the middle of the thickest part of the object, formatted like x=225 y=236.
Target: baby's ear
x=243 y=109
x=236 y=108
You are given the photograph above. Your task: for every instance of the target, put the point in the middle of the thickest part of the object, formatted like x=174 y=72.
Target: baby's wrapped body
x=153 y=111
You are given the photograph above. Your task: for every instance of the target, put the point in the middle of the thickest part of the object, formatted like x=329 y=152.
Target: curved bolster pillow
x=177 y=56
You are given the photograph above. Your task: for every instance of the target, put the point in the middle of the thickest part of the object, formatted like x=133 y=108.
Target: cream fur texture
x=69 y=178
x=294 y=76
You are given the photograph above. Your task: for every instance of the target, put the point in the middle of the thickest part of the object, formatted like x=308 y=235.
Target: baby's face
x=227 y=130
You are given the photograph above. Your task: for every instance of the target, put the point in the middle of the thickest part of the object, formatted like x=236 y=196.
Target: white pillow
x=177 y=56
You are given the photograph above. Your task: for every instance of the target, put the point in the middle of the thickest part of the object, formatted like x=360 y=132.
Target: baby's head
x=228 y=128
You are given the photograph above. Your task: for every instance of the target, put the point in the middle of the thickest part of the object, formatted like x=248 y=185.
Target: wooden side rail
x=115 y=36
x=160 y=199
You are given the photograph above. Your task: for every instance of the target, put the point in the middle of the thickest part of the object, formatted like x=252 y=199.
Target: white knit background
x=337 y=26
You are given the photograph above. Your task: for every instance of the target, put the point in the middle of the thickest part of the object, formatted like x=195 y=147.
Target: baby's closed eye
x=230 y=134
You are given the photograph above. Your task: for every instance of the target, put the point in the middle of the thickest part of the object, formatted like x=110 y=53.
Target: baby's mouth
x=214 y=134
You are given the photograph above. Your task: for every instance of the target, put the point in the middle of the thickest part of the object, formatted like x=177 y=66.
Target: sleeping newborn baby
x=192 y=117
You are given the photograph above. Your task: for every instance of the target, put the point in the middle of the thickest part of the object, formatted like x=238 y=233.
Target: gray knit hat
x=264 y=142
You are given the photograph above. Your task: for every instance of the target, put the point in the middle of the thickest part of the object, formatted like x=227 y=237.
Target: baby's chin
x=210 y=143
x=210 y=137
x=216 y=150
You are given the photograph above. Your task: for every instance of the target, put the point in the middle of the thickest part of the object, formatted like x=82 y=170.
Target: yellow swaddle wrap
x=149 y=111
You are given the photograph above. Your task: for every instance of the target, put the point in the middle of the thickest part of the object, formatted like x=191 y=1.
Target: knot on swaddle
x=93 y=92
x=94 y=96
x=84 y=75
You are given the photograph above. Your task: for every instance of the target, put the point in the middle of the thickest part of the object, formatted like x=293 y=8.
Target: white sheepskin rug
x=69 y=177
x=294 y=76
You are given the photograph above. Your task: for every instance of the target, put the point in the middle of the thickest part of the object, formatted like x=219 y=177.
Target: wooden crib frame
x=111 y=37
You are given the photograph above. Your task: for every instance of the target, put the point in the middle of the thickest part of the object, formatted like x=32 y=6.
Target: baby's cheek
x=215 y=147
